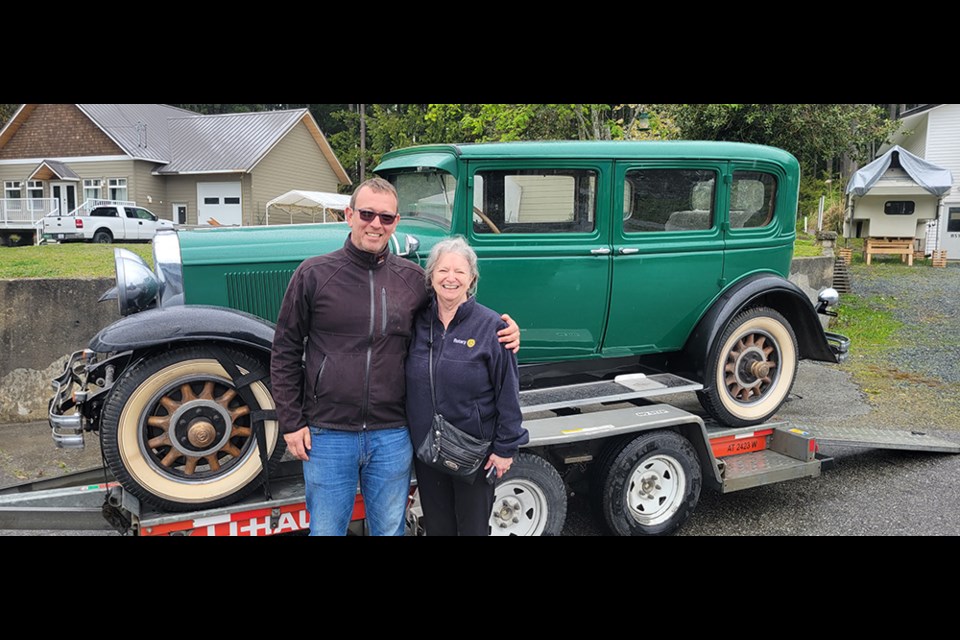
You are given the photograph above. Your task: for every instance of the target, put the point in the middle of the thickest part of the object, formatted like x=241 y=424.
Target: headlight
x=829 y=296
x=137 y=286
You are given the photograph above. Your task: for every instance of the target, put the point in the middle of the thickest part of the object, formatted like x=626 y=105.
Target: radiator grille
x=258 y=292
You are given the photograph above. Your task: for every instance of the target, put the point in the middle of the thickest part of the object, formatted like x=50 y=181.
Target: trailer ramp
x=876 y=438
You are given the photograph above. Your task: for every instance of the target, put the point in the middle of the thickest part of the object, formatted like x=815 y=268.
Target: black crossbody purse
x=447 y=448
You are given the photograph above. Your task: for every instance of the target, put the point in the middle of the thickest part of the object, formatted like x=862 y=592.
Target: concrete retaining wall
x=44 y=321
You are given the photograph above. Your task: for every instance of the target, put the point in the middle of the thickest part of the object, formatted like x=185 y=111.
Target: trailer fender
x=768 y=290
x=178 y=324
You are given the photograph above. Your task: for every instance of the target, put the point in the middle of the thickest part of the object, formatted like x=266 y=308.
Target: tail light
x=79 y=223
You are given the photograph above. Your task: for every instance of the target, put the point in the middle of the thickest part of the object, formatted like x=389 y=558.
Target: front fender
x=187 y=323
x=768 y=290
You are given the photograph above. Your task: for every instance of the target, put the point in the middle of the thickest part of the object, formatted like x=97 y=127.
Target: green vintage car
x=613 y=257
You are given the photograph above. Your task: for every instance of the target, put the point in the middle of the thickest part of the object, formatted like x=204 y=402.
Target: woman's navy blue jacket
x=476 y=379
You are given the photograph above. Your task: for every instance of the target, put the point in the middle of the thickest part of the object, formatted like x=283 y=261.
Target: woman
x=476 y=383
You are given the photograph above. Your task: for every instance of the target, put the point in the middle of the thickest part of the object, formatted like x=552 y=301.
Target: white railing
x=25 y=212
x=92 y=203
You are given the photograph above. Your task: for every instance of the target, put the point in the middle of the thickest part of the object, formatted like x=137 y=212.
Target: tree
x=6 y=112
x=819 y=135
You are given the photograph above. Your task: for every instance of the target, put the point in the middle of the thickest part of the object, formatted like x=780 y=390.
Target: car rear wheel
x=179 y=434
x=752 y=368
x=102 y=237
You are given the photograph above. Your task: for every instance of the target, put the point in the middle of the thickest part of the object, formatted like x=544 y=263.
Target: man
x=341 y=408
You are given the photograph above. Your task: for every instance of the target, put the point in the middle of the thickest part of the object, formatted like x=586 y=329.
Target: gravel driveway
x=916 y=381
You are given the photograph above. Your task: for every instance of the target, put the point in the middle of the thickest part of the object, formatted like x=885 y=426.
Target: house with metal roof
x=186 y=167
x=932 y=132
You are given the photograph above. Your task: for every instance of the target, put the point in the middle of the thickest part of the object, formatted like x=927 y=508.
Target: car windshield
x=426 y=194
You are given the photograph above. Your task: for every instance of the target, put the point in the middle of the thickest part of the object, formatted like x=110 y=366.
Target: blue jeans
x=379 y=461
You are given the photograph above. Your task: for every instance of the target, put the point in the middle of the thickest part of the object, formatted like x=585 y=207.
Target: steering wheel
x=487 y=221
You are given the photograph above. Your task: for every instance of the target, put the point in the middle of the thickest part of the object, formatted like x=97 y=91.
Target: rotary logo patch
x=470 y=343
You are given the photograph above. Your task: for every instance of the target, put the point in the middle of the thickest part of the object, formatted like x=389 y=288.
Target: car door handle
x=602 y=251
x=628 y=250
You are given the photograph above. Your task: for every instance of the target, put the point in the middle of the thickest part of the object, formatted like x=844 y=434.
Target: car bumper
x=63 y=414
x=839 y=344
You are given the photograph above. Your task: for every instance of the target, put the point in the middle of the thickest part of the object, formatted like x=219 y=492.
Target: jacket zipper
x=316 y=382
x=366 y=373
x=383 y=308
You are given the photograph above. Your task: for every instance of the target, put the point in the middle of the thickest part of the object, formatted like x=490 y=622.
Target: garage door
x=219 y=203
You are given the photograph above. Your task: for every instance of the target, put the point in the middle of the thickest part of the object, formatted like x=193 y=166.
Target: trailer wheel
x=176 y=433
x=651 y=486
x=529 y=500
x=752 y=369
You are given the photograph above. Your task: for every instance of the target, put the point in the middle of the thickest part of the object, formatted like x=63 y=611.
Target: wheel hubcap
x=751 y=368
x=655 y=490
x=193 y=430
x=519 y=509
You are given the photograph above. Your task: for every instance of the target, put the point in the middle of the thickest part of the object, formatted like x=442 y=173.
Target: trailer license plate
x=740 y=443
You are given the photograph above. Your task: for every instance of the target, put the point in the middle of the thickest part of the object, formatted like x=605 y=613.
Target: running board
x=624 y=387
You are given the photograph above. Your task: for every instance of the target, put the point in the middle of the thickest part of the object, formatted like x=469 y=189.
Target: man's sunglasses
x=386 y=219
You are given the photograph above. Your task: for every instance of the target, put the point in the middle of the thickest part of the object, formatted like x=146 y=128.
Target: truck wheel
x=102 y=237
x=176 y=433
x=529 y=500
x=651 y=486
x=752 y=368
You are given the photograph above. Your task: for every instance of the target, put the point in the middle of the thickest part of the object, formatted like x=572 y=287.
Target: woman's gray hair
x=459 y=246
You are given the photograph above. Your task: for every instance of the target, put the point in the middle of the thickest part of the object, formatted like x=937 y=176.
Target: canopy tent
x=936 y=180
x=306 y=206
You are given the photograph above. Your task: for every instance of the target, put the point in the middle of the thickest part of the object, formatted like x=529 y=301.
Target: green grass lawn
x=73 y=260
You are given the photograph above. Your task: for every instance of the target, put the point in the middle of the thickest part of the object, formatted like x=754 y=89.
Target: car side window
x=535 y=201
x=668 y=200
x=104 y=212
x=753 y=196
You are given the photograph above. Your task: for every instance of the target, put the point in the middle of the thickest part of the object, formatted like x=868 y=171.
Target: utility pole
x=363 y=142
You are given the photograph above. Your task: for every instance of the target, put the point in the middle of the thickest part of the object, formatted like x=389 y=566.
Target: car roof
x=612 y=149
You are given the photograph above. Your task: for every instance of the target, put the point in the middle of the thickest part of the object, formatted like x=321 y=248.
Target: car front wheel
x=177 y=432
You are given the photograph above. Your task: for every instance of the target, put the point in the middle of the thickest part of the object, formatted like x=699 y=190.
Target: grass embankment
x=72 y=260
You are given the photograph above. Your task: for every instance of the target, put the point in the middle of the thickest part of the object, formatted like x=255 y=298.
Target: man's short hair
x=379 y=185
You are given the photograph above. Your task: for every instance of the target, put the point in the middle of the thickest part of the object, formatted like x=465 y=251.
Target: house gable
x=54 y=131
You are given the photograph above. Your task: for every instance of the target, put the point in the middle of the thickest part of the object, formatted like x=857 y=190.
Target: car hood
x=286 y=246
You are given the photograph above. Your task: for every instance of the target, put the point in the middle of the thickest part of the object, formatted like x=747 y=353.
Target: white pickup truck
x=105 y=224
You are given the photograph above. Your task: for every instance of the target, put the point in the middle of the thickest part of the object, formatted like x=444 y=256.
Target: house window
x=209 y=200
x=35 y=193
x=898 y=207
x=953 y=220
x=92 y=189
x=227 y=200
x=118 y=188
x=11 y=191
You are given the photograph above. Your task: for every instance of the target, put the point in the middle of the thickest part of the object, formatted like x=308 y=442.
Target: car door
x=140 y=223
x=543 y=249
x=667 y=252
x=761 y=231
